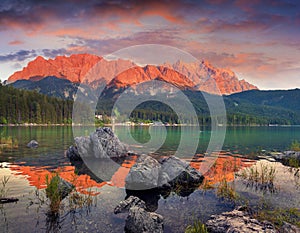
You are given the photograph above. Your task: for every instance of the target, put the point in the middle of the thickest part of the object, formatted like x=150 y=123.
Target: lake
x=27 y=170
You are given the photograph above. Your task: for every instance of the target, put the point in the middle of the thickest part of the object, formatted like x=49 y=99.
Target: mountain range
x=245 y=104
x=96 y=71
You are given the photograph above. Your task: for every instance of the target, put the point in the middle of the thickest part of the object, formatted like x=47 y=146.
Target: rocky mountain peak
x=91 y=69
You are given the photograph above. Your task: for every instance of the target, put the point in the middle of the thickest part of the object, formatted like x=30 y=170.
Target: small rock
x=276 y=155
x=130 y=202
x=33 y=144
x=139 y=220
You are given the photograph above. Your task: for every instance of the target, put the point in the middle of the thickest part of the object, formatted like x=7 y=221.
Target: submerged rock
x=33 y=144
x=100 y=144
x=238 y=221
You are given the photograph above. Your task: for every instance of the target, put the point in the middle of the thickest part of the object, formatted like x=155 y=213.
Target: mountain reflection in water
x=224 y=167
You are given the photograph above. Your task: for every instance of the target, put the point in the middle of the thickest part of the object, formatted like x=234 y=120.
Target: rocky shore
x=240 y=221
x=150 y=179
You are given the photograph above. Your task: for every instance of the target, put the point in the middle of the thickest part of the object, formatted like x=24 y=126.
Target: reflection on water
x=225 y=166
x=28 y=168
x=36 y=177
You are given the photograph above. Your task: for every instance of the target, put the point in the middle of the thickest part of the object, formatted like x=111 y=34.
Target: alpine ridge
x=94 y=71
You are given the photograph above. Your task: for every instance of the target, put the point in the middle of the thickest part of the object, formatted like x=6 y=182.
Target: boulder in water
x=139 y=220
x=33 y=144
x=100 y=144
x=148 y=173
x=144 y=174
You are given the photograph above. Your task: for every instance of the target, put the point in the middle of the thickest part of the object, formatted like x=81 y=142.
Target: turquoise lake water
x=23 y=165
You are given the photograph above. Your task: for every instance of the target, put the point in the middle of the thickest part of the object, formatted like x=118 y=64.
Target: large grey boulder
x=175 y=170
x=148 y=173
x=100 y=144
x=139 y=220
x=73 y=154
x=144 y=174
x=237 y=221
x=33 y=144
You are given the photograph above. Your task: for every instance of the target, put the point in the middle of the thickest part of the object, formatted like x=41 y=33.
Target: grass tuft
x=226 y=191
x=196 y=227
x=279 y=216
x=3 y=189
x=260 y=177
x=295 y=146
x=52 y=192
x=8 y=143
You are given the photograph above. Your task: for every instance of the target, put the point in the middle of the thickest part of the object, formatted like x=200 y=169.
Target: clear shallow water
x=27 y=169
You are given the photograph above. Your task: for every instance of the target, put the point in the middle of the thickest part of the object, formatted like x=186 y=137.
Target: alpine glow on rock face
x=75 y=68
x=257 y=41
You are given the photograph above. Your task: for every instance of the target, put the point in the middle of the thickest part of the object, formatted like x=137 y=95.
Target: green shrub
x=295 y=146
x=226 y=191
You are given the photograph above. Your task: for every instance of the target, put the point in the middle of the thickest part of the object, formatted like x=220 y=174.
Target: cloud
x=171 y=37
x=51 y=53
x=252 y=37
x=18 y=56
x=33 y=15
x=23 y=55
x=16 y=42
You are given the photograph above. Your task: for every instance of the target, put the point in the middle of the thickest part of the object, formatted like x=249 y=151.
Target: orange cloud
x=16 y=42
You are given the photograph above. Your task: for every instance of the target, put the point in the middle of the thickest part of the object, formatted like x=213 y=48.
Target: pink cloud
x=16 y=42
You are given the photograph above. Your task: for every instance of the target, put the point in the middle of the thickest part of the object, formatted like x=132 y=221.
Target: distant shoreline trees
x=19 y=106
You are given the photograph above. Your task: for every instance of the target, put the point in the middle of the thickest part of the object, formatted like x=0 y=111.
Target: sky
x=259 y=39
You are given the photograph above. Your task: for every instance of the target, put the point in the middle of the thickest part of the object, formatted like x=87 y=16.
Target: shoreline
x=140 y=125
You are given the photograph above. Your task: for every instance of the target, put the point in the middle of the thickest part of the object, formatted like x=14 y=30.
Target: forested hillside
x=245 y=108
x=21 y=106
